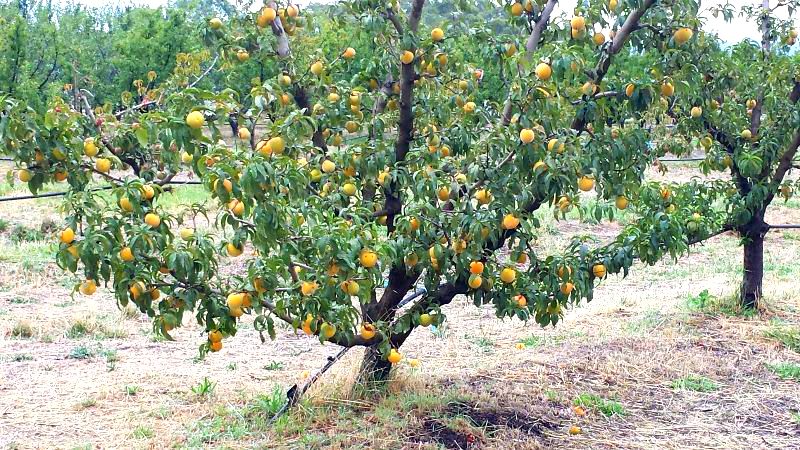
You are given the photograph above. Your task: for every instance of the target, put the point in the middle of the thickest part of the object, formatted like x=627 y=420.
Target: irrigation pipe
x=60 y=193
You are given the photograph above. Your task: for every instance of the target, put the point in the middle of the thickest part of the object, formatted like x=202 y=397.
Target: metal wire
x=58 y=194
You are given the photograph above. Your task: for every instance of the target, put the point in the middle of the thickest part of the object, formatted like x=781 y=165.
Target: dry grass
x=652 y=368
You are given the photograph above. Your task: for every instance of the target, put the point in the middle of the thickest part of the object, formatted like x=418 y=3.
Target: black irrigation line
x=680 y=159
x=660 y=159
x=193 y=182
x=59 y=194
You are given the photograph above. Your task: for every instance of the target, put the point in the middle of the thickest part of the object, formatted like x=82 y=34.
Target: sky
x=730 y=32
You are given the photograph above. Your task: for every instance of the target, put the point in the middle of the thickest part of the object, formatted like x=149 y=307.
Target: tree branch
x=391 y=17
x=280 y=34
x=416 y=14
x=530 y=47
x=755 y=114
x=405 y=124
x=784 y=164
x=399 y=281
x=631 y=24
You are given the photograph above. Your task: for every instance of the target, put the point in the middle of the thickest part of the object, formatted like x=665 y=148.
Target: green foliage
x=786 y=370
x=142 y=432
x=267 y=405
x=788 y=336
x=712 y=305
x=274 y=365
x=81 y=352
x=21 y=233
x=131 y=390
x=695 y=383
x=106 y=50
x=607 y=407
x=205 y=388
x=369 y=172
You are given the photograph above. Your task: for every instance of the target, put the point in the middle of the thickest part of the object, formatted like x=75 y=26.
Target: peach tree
x=341 y=194
x=746 y=121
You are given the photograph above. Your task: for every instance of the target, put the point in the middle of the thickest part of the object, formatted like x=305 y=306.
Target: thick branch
x=416 y=14
x=755 y=114
x=536 y=34
x=399 y=280
x=794 y=96
x=530 y=47
x=784 y=165
x=405 y=124
x=392 y=17
x=730 y=147
x=280 y=34
x=631 y=24
x=443 y=295
x=301 y=98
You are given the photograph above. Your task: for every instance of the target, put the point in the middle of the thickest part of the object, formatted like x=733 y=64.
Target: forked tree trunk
x=753 y=271
x=374 y=371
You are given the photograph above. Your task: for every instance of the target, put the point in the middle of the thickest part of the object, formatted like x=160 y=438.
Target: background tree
x=50 y=48
x=434 y=187
x=746 y=121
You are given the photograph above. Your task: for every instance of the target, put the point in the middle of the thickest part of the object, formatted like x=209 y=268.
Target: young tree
x=359 y=191
x=740 y=102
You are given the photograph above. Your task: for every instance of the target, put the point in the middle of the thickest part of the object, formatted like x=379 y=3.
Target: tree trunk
x=753 y=271
x=374 y=371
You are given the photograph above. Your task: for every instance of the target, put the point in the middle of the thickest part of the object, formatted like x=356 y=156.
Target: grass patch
x=268 y=405
x=235 y=423
x=607 y=407
x=161 y=413
x=88 y=402
x=482 y=342
x=142 y=432
x=786 y=371
x=714 y=306
x=534 y=341
x=79 y=329
x=553 y=396
x=22 y=329
x=274 y=365
x=181 y=196
x=81 y=352
x=386 y=419
x=789 y=337
x=20 y=357
x=795 y=417
x=651 y=320
x=111 y=358
x=132 y=390
x=88 y=327
x=21 y=233
x=32 y=256
x=695 y=383
x=204 y=388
